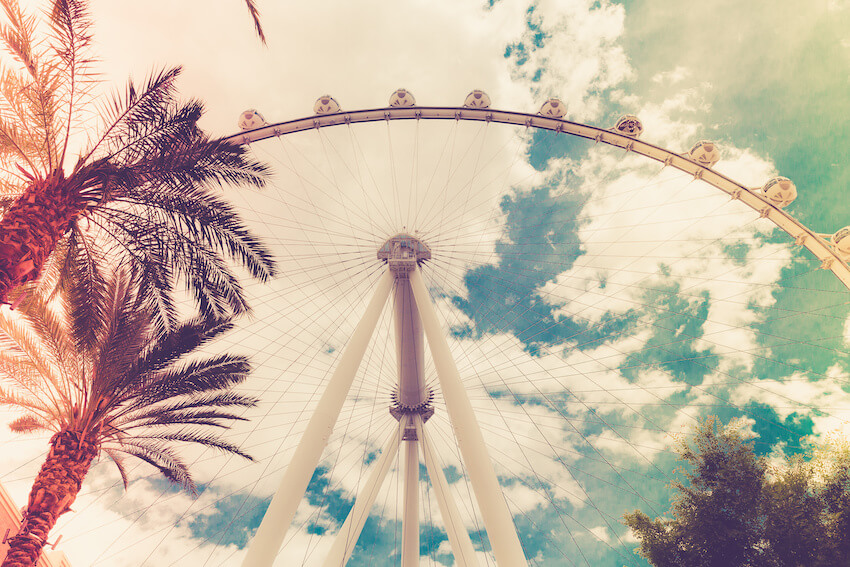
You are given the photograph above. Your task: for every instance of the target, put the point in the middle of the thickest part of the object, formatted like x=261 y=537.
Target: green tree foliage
x=738 y=509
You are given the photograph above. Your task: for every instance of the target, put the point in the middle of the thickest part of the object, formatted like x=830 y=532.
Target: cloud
x=570 y=50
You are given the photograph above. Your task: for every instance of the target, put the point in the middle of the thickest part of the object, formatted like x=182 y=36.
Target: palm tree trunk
x=31 y=228
x=54 y=490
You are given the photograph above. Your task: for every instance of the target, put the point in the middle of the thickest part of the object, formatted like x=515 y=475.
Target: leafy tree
x=91 y=367
x=140 y=192
x=736 y=509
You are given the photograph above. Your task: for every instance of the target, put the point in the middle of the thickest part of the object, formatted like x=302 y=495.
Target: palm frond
x=125 y=335
x=185 y=339
x=131 y=413
x=29 y=424
x=47 y=284
x=135 y=107
x=255 y=16
x=157 y=247
x=200 y=160
x=70 y=24
x=17 y=36
x=47 y=326
x=158 y=454
x=163 y=122
x=20 y=374
x=116 y=458
x=15 y=143
x=149 y=258
x=218 y=399
x=155 y=417
x=196 y=377
x=84 y=290
x=203 y=439
x=41 y=93
x=17 y=338
x=209 y=219
x=20 y=401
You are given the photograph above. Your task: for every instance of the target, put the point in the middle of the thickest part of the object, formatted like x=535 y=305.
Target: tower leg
x=269 y=537
x=410 y=519
x=348 y=535
x=494 y=510
x=459 y=540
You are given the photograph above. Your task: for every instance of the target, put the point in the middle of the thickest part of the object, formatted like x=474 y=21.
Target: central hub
x=403 y=253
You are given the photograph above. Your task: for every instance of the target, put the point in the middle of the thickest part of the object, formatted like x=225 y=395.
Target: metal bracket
x=736 y=194
x=425 y=411
x=800 y=239
x=347 y=119
x=668 y=161
x=826 y=264
x=698 y=174
x=458 y=115
x=764 y=213
x=598 y=138
x=409 y=434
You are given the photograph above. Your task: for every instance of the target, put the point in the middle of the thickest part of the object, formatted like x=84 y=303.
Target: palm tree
x=139 y=192
x=91 y=367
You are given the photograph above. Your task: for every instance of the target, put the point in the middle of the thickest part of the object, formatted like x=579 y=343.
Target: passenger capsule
x=629 y=125
x=326 y=105
x=251 y=120
x=841 y=241
x=402 y=97
x=477 y=99
x=705 y=153
x=553 y=108
x=780 y=191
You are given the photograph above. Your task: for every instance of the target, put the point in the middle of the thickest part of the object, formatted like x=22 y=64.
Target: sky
x=597 y=304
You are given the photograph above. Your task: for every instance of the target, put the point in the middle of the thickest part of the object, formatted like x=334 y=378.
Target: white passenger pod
x=251 y=120
x=402 y=97
x=705 y=153
x=553 y=108
x=477 y=99
x=841 y=241
x=326 y=105
x=629 y=125
x=780 y=191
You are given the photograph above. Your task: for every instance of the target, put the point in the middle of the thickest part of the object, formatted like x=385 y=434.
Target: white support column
x=348 y=535
x=494 y=510
x=269 y=537
x=462 y=549
x=410 y=516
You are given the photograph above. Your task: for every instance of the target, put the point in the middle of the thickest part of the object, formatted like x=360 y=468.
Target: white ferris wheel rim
x=800 y=233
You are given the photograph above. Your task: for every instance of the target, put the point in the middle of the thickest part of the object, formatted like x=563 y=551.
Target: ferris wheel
x=404 y=248
x=527 y=306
